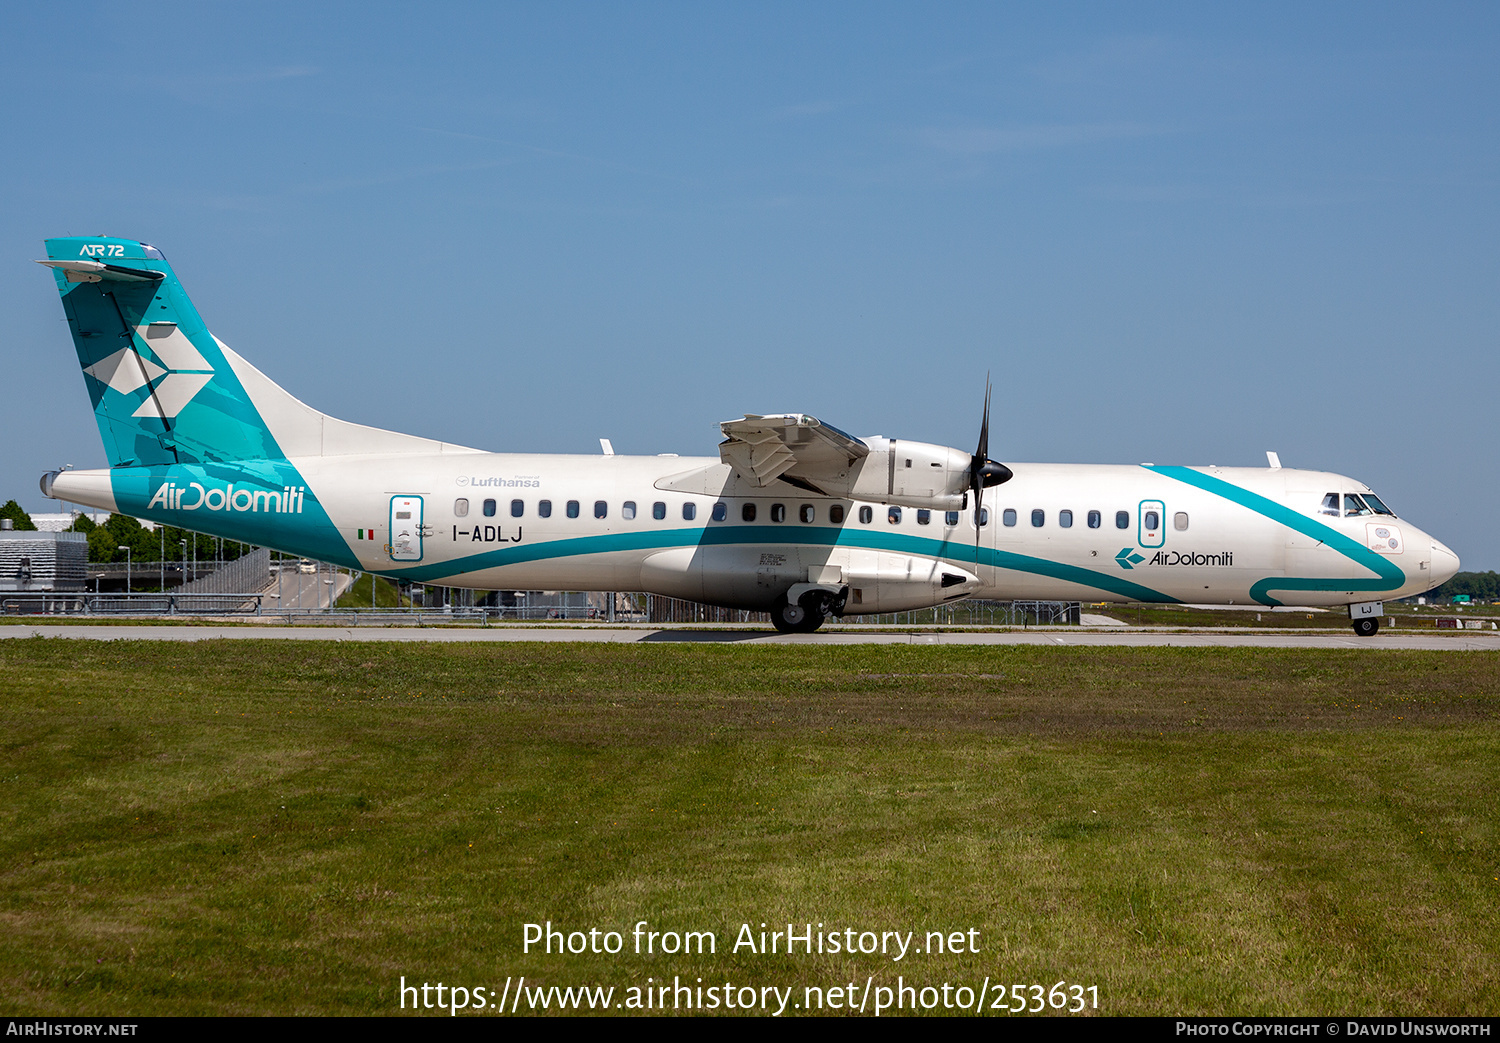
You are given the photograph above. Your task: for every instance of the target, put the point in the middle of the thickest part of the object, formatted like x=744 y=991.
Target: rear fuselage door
x=406 y=528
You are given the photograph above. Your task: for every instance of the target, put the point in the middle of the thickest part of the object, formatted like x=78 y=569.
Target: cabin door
x=406 y=528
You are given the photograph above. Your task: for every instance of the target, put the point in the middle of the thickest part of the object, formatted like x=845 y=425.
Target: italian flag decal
x=367 y=534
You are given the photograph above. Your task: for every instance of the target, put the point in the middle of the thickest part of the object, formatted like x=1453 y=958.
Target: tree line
x=159 y=544
x=1478 y=585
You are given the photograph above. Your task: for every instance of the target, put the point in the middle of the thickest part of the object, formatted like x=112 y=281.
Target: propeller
x=984 y=473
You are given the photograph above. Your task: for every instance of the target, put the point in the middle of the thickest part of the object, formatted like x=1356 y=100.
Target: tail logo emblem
x=172 y=386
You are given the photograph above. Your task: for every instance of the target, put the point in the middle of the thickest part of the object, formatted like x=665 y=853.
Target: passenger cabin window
x=747 y=512
x=489 y=508
x=983 y=516
x=866 y=515
x=807 y=513
x=720 y=511
x=627 y=510
x=1122 y=519
x=950 y=519
x=1065 y=519
x=1038 y=518
x=689 y=511
x=1095 y=519
x=1330 y=504
x=778 y=512
x=1180 y=521
x=658 y=510
x=1008 y=517
x=924 y=517
x=836 y=514
x=517 y=508
x=601 y=509
x=460 y=508
x=893 y=515
x=572 y=508
x=1152 y=521
x=544 y=508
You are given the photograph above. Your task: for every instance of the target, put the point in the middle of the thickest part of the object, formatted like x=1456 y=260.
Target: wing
x=793 y=447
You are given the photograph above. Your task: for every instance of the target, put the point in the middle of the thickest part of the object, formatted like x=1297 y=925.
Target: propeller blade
x=984 y=428
x=977 y=467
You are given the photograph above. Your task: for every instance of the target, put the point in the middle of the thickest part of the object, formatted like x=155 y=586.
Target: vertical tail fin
x=162 y=390
x=165 y=390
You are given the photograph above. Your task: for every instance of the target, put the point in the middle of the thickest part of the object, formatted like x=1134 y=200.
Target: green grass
x=387 y=595
x=277 y=827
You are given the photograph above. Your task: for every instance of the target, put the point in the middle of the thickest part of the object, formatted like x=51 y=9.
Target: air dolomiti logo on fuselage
x=1129 y=559
x=193 y=496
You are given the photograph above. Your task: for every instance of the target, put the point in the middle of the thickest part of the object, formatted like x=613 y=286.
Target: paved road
x=292 y=589
x=1070 y=637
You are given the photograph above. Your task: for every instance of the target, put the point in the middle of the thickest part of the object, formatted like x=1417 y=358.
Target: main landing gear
x=1366 y=627
x=808 y=612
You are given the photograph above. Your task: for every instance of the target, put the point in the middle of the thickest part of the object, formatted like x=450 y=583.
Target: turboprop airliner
x=794 y=517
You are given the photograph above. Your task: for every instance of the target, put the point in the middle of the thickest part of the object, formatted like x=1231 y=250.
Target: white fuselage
x=683 y=527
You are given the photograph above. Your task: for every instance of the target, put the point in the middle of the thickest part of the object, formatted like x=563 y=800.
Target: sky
x=1178 y=233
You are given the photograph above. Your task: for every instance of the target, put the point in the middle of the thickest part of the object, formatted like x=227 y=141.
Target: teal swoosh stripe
x=1075 y=574
x=1391 y=576
x=646 y=539
x=662 y=539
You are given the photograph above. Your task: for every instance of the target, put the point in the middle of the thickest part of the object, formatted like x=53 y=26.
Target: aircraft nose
x=1444 y=564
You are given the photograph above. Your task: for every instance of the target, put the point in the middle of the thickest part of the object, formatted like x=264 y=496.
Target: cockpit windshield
x=1377 y=506
x=1356 y=505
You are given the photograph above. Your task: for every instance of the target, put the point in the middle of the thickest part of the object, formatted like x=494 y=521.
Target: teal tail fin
x=162 y=389
x=165 y=390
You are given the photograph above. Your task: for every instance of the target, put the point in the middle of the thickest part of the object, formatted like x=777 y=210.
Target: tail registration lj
x=794 y=516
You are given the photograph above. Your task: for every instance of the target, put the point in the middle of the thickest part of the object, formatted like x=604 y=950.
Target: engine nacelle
x=912 y=474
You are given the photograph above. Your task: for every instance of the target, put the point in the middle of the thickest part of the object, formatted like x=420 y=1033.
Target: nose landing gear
x=1365 y=616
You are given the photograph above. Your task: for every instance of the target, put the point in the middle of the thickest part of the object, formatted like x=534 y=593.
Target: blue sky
x=1176 y=233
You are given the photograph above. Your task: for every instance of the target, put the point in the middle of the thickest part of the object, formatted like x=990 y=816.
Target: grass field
x=284 y=828
x=387 y=596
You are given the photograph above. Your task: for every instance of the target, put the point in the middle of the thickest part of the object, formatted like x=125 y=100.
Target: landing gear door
x=406 y=528
x=1153 y=523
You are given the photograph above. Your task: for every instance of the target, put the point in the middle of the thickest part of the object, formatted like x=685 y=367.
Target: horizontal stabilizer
x=97 y=271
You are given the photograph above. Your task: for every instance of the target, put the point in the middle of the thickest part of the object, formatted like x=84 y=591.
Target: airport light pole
x=127 y=568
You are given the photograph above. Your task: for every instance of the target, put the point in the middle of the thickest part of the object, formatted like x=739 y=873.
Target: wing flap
x=762 y=449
